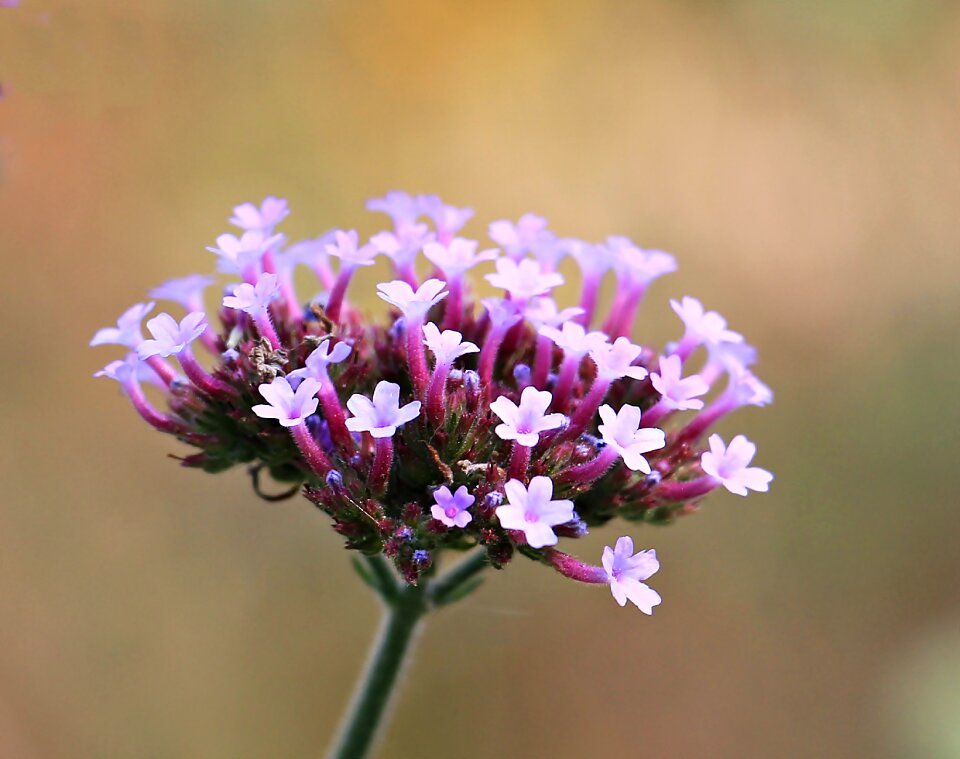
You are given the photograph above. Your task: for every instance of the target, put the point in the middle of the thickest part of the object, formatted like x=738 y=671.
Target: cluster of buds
x=506 y=423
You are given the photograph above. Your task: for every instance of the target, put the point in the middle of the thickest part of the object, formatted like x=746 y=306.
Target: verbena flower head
x=444 y=423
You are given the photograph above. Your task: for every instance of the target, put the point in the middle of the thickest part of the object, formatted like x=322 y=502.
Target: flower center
x=451 y=511
x=531 y=517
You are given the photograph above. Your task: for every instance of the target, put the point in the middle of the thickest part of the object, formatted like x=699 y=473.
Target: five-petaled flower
x=524 y=279
x=458 y=256
x=677 y=392
x=288 y=406
x=615 y=361
x=127 y=332
x=522 y=237
x=626 y=572
x=320 y=358
x=622 y=432
x=702 y=326
x=254 y=299
x=413 y=303
x=346 y=246
x=446 y=346
x=171 y=337
x=451 y=508
x=263 y=219
x=525 y=422
x=238 y=255
x=382 y=415
x=730 y=465
x=533 y=511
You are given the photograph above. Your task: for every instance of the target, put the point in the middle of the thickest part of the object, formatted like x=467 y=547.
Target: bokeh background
x=802 y=160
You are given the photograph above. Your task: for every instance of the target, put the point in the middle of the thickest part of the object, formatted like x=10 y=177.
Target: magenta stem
x=148 y=413
x=200 y=376
x=164 y=371
x=591 y=470
x=289 y=295
x=324 y=274
x=336 y=417
x=453 y=311
x=436 y=394
x=314 y=456
x=655 y=413
x=408 y=274
x=335 y=301
x=488 y=355
x=613 y=317
x=587 y=408
x=588 y=298
x=382 y=462
x=702 y=421
x=542 y=362
x=575 y=569
x=416 y=357
x=266 y=329
x=519 y=462
x=686 y=490
x=628 y=311
x=569 y=370
x=686 y=346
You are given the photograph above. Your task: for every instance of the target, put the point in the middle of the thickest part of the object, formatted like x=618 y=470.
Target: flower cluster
x=504 y=422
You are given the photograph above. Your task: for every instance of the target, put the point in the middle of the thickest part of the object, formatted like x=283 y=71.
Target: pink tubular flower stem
x=148 y=413
x=335 y=416
x=436 y=393
x=621 y=319
x=519 y=462
x=200 y=376
x=382 y=463
x=417 y=358
x=453 y=310
x=686 y=490
x=587 y=408
x=315 y=457
x=587 y=472
x=266 y=329
x=702 y=421
x=569 y=370
x=488 y=356
x=543 y=362
x=335 y=301
x=588 y=299
x=687 y=345
x=164 y=371
x=655 y=413
x=575 y=569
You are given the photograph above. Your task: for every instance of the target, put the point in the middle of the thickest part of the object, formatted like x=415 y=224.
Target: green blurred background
x=802 y=160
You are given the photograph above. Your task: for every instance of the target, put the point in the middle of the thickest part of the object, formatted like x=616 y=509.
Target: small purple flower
x=543 y=312
x=446 y=218
x=347 y=248
x=524 y=279
x=626 y=572
x=263 y=219
x=503 y=314
x=288 y=406
x=525 y=422
x=126 y=369
x=533 y=511
x=239 y=254
x=381 y=416
x=678 y=393
x=254 y=299
x=446 y=346
x=187 y=291
x=522 y=237
x=320 y=358
x=399 y=206
x=622 y=432
x=639 y=266
x=616 y=361
x=458 y=256
x=574 y=340
x=127 y=332
x=402 y=246
x=703 y=326
x=413 y=304
x=171 y=337
x=451 y=508
x=730 y=465
x=594 y=260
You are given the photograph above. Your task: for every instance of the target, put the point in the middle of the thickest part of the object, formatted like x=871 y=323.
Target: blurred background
x=800 y=159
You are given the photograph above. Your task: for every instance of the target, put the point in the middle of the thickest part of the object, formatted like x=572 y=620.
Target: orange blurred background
x=800 y=159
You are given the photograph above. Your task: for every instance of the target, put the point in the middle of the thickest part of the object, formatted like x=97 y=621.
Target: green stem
x=372 y=697
x=405 y=607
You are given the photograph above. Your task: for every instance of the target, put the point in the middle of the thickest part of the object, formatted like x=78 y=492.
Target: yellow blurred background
x=802 y=160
